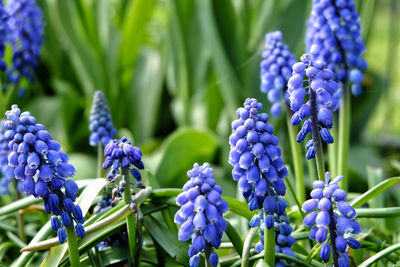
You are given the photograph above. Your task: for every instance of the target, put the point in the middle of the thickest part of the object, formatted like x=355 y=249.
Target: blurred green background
x=175 y=71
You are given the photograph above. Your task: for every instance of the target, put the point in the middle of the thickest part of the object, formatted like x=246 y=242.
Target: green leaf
x=380 y=255
x=229 y=83
x=261 y=263
x=376 y=190
x=379 y=212
x=146 y=89
x=234 y=237
x=19 y=204
x=166 y=239
x=85 y=200
x=44 y=232
x=239 y=208
x=178 y=153
x=137 y=15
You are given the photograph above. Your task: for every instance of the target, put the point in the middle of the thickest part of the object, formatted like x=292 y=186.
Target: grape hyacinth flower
x=255 y=155
x=6 y=171
x=39 y=163
x=334 y=26
x=312 y=78
x=4 y=32
x=259 y=170
x=322 y=217
x=275 y=70
x=201 y=214
x=121 y=154
x=101 y=125
x=26 y=37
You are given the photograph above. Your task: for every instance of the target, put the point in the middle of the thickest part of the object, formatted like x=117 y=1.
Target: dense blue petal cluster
x=275 y=70
x=322 y=217
x=27 y=28
x=4 y=34
x=334 y=26
x=312 y=82
x=255 y=155
x=121 y=154
x=201 y=213
x=101 y=125
x=259 y=170
x=39 y=163
x=7 y=173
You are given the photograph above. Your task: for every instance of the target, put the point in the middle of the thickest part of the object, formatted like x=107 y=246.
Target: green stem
x=311 y=170
x=289 y=184
x=332 y=152
x=269 y=245
x=247 y=246
x=131 y=218
x=72 y=246
x=297 y=161
x=100 y=157
x=20 y=216
x=344 y=134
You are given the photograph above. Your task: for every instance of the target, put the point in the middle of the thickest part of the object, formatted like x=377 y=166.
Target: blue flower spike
x=327 y=198
x=201 y=214
x=26 y=37
x=101 y=125
x=335 y=27
x=4 y=33
x=259 y=170
x=275 y=70
x=313 y=95
x=7 y=173
x=43 y=169
x=121 y=154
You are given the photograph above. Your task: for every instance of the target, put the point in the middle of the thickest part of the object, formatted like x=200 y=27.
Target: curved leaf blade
x=376 y=190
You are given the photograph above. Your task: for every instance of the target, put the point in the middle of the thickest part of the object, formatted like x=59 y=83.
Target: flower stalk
x=72 y=246
x=131 y=218
x=269 y=245
x=319 y=155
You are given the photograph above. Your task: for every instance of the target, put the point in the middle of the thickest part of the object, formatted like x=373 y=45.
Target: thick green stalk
x=297 y=161
x=269 y=245
x=131 y=218
x=344 y=134
x=72 y=246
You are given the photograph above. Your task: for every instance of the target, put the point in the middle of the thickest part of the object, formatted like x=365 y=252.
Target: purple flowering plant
x=157 y=86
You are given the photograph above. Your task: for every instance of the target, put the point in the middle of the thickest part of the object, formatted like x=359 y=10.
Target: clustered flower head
x=7 y=173
x=201 y=213
x=4 y=32
x=275 y=69
x=37 y=161
x=259 y=169
x=101 y=125
x=313 y=81
x=121 y=154
x=334 y=26
x=26 y=37
x=255 y=155
x=327 y=197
